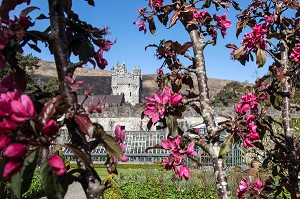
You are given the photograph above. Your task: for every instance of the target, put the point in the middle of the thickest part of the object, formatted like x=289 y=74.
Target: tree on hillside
x=229 y=94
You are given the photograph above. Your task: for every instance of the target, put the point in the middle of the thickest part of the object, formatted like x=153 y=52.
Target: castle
x=127 y=84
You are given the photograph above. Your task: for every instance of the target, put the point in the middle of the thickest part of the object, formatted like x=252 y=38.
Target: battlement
x=127 y=84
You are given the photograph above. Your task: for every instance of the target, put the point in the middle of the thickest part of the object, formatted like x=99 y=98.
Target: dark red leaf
x=174 y=18
x=29 y=9
x=185 y=47
x=7 y=6
x=49 y=109
x=85 y=124
x=21 y=80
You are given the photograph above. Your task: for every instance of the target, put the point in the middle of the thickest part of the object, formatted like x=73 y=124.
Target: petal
x=155 y=118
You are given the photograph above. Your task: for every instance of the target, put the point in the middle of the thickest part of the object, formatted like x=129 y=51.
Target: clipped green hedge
x=35 y=190
x=124 y=166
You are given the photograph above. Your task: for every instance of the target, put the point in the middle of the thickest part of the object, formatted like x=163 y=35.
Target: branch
x=274 y=57
x=73 y=66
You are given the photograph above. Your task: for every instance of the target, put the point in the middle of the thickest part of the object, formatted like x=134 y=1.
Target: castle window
x=130 y=94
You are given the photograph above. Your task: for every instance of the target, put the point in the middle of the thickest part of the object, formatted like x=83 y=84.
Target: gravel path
x=75 y=191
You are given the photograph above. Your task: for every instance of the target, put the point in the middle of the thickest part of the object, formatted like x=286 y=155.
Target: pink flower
x=190 y=151
x=295 y=55
x=254 y=136
x=223 y=23
x=4 y=142
x=155 y=3
x=242 y=108
x=248 y=143
x=51 y=128
x=10 y=169
x=175 y=99
x=5 y=108
x=156 y=106
x=184 y=172
x=120 y=134
x=101 y=62
x=141 y=25
x=22 y=109
x=57 y=165
x=200 y=15
x=255 y=39
x=269 y=19
x=15 y=151
x=249 y=118
x=171 y=143
x=124 y=158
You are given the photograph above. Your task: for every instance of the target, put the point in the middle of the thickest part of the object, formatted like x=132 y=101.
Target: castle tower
x=127 y=84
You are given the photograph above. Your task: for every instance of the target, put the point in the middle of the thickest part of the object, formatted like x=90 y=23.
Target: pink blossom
x=255 y=39
x=252 y=127
x=295 y=55
x=184 y=172
x=141 y=25
x=7 y=127
x=200 y=15
x=223 y=23
x=175 y=99
x=124 y=158
x=10 y=169
x=269 y=19
x=247 y=143
x=22 y=109
x=51 y=128
x=157 y=105
x=4 y=142
x=101 y=62
x=15 y=151
x=190 y=150
x=254 y=136
x=57 y=165
x=155 y=3
x=249 y=118
x=242 y=108
x=120 y=134
x=171 y=143
x=5 y=108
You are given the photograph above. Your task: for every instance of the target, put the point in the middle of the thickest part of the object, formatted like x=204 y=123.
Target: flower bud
x=10 y=169
x=15 y=151
x=4 y=142
x=58 y=165
x=51 y=128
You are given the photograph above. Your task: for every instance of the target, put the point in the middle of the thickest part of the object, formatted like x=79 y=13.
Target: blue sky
x=119 y=15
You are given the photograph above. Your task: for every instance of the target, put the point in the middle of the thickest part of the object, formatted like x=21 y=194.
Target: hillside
x=101 y=79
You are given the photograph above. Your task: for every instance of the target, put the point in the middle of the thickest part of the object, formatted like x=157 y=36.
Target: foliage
x=35 y=190
x=114 y=191
x=228 y=95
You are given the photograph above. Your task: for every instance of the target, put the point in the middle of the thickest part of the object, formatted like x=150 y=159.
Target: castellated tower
x=127 y=84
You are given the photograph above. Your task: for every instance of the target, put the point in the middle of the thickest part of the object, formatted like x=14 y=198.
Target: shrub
x=114 y=191
x=35 y=190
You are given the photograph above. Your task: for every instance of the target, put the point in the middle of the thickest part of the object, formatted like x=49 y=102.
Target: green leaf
x=172 y=126
x=20 y=182
x=54 y=186
x=152 y=26
x=86 y=51
x=261 y=57
x=226 y=146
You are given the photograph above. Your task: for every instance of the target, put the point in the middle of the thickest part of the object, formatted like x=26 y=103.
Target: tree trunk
x=293 y=167
x=206 y=111
x=59 y=47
